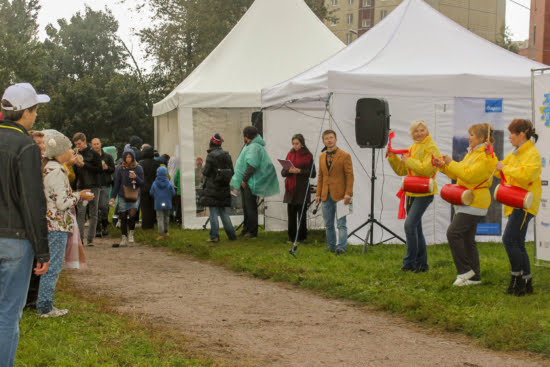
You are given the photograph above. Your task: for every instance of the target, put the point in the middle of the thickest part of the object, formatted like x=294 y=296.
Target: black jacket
x=87 y=176
x=106 y=177
x=22 y=199
x=217 y=172
x=149 y=165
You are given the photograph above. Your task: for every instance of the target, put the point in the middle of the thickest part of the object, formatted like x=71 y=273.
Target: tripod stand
x=372 y=221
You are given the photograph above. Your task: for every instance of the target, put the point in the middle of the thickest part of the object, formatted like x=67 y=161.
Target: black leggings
x=126 y=222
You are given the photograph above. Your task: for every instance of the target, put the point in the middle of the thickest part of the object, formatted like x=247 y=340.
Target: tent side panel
x=279 y=127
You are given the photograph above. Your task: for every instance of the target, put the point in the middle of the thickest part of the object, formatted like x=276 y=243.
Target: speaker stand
x=369 y=239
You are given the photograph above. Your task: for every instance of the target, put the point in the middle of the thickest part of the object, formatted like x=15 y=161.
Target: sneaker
x=131 y=236
x=118 y=224
x=213 y=240
x=160 y=237
x=340 y=251
x=90 y=243
x=243 y=234
x=462 y=278
x=468 y=282
x=250 y=236
x=55 y=312
x=124 y=241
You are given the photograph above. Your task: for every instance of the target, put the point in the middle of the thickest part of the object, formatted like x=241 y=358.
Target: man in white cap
x=23 y=226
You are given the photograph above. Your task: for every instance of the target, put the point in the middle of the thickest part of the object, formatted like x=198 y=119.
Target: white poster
x=541 y=105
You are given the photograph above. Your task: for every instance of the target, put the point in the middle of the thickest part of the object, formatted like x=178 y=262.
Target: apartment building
x=538 y=48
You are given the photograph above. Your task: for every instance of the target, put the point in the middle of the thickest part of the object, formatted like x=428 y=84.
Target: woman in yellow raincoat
x=474 y=172
x=418 y=162
x=521 y=168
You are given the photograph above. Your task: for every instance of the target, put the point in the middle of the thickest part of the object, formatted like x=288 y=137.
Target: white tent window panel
x=229 y=123
x=168 y=133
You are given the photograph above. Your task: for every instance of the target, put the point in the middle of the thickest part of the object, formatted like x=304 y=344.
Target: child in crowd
x=163 y=191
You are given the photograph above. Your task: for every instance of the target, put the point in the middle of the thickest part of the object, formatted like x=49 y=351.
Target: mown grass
x=483 y=312
x=93 y=335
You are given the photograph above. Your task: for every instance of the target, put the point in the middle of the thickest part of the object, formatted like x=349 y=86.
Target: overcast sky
x=517 y=17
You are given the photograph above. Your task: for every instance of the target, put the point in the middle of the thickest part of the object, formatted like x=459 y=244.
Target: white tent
x=273 y=41
x=422 y=63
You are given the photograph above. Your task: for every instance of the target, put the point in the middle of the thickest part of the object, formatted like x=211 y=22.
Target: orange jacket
x=338 y=180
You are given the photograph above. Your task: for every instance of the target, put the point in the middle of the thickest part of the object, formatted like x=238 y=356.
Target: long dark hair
x=302 y=141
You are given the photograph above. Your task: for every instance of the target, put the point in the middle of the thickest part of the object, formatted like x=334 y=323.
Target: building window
x=334 y=2
x=349 y=38
x=350 y=19
x=366 y=23
x=383 y=14
x=333 y=21
x=367 y=3
x=350 y=2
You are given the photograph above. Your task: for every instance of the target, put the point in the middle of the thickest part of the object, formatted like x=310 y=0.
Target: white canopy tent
x=273 y=41
x=421 y=62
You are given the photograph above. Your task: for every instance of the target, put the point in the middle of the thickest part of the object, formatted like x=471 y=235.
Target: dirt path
x=260 y=323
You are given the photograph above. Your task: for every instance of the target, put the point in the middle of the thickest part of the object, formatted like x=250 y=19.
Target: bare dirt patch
x=261 y=323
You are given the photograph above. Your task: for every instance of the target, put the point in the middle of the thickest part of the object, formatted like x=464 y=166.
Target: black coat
x=149 y=165
x=217 y=173
x=22 y=199
x=87 y=176
x=106 y=177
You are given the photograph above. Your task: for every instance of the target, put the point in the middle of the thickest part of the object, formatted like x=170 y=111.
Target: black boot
x=529 y=286
x=105 y=224
x=98 y=230
x=517 y=286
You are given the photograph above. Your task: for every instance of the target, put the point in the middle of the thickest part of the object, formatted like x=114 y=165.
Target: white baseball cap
x=22 y=96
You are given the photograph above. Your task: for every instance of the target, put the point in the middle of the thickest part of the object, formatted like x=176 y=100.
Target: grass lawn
x=92 y=335
x=483 y=312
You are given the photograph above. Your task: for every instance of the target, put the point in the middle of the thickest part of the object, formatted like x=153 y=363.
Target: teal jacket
x=264 y=181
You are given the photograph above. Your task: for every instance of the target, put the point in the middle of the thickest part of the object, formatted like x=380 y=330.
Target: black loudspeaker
x=257 y=120
x=372 y=122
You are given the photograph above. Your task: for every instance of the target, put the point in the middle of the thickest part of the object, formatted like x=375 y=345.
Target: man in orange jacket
x=334 y=183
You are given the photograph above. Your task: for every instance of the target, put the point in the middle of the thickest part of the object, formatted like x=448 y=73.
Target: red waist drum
x=417 y=185
x=513 y=196
x=456 y=194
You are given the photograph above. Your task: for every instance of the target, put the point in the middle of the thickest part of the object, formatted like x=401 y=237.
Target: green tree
x=504 y=40
x=20 y=53
x=92 y=88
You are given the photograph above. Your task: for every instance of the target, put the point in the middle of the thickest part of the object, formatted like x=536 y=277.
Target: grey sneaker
x=131 y=236
x=55 y=312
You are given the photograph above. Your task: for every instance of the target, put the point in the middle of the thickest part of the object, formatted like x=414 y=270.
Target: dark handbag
x=131 y=193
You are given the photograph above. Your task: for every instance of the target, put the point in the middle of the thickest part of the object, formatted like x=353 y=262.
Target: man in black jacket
x=87 y=173
x=23 y=226
x=105 y=181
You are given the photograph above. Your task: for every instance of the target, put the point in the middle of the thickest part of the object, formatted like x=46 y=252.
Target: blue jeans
x=163 y=221
x=514 y=241
x=215 y=225
x=16 y=258
x=58 y=242
x=417 y=256
x=329 y=215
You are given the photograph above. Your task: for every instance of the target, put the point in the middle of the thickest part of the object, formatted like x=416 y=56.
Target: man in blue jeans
x=23 y=227
x=334 y=183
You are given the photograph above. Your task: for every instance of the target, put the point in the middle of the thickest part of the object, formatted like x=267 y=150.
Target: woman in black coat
x=216 y=194
x=296 y=187
x=149 y=165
